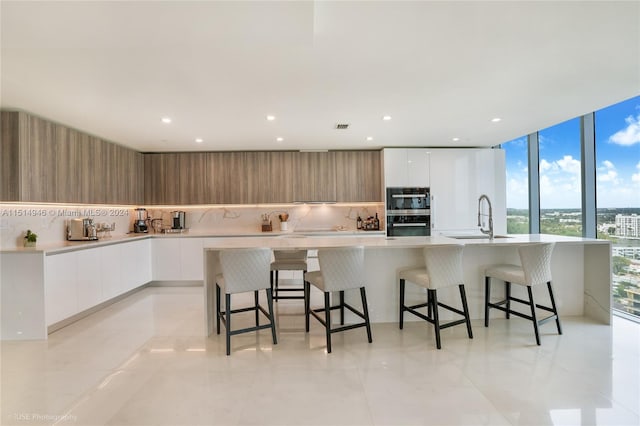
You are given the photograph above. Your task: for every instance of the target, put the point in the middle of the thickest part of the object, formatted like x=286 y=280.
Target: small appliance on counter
x=81 y=230
x=140 y=224
x=178 y=220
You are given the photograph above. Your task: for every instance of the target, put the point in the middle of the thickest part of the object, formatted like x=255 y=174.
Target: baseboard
x=67 y=321
x=183 y=283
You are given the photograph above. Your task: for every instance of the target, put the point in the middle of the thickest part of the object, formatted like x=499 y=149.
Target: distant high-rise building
x=628 y=225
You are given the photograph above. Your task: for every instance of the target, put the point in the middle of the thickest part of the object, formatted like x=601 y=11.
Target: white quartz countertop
x=313 y=242
x=66 y=246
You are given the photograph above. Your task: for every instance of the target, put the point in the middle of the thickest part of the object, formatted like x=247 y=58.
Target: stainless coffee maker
x=178 y=220
x=140 y=224
x=81 y=230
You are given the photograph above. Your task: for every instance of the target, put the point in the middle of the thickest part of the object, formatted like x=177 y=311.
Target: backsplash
x=49 y=222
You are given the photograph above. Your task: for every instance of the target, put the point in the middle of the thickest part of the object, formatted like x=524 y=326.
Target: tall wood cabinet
x=49 y=162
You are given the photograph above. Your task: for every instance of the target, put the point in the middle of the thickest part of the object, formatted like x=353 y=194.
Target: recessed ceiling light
x=166 y=120
x=279 y=139
x=386 y=117
x=495 y=120
x=455 y=139
x=271 y=117
x=199 y=140
x=369 y=138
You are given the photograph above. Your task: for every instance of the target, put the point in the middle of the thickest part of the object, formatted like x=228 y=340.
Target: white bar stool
x=244 y=270
x=535 y=269
x=287 y=260
x=443 y=269
x=340 y=269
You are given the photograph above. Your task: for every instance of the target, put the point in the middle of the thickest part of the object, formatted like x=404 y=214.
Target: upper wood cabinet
x=315 y=176
x=227 y=177
x=13 y=130
x=53 y=163
x=195 y=178
x=262 y=177
x=358 y=176
x=161 y=184
x=270 y=176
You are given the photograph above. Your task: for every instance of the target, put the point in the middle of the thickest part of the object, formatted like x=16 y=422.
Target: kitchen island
x=45 y=288
x=581 y=269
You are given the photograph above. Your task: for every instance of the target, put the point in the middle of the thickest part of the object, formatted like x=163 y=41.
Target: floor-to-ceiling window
x=617 y=157
x=617 y=136
x=516 y=159
x=560 y=179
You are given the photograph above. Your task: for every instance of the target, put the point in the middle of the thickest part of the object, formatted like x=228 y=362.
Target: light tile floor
x=144 y=361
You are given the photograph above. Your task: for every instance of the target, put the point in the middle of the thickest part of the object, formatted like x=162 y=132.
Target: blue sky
x=617 y=158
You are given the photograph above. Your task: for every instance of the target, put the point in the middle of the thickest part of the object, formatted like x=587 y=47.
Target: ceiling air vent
x=342 y=126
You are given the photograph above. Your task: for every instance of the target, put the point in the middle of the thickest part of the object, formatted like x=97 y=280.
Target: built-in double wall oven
x=408 y=212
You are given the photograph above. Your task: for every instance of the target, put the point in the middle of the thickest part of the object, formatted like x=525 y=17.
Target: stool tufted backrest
x=342 y=268
x=444 y=265
x=536 y=262
x=245 y=269
x=290 y=255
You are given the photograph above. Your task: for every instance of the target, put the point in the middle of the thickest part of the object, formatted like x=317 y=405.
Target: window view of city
x=617 y=138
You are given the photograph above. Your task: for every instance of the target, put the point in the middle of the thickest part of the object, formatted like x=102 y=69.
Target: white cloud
x=569 y=164
x=560 y=183
x=629 y=135
x=544 y=165
x=636 y=176
x=517 y=192
x=608 y=173
x=609 y=176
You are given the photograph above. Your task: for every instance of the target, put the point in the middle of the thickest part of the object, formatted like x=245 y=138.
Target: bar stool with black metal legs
x=443 y=268
x=244 y=270
x=535 y=270
x=341 y=269
x=287 y=260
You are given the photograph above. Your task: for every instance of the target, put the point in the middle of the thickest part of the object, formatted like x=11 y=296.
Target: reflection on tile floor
x=144 y=361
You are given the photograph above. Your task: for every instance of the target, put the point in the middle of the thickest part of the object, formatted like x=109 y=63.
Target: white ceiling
x=440 y=69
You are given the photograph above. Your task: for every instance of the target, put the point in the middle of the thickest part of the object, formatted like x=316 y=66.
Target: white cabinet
x=395 y=170
x=166 y=259
x=177 y=259
x=79 y=280
x=191 y=258
x=135 y=264
x=110 y=271
x=406 y=167
x=458 y=178
x=61 y=294
x=418 y=167
x=89 y=279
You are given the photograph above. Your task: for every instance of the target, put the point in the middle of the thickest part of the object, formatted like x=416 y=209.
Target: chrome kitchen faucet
x=480 y=214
